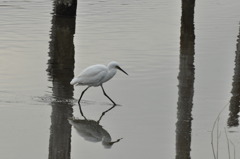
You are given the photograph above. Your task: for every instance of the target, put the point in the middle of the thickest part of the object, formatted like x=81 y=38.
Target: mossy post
x=65 y=7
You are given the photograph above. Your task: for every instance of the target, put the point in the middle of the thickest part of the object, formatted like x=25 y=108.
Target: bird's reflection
x=91 y=130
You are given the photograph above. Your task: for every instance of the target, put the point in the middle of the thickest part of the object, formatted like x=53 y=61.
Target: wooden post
x=233 y=120
x=60 y=71
x=65 y=7
x=186 y=78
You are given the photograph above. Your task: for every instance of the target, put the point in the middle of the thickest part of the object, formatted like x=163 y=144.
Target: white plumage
x=96 y=75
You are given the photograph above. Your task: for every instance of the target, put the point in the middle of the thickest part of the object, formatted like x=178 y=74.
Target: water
x=168 y=102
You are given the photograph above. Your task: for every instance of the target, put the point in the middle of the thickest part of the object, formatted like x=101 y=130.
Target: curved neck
x=111 y=73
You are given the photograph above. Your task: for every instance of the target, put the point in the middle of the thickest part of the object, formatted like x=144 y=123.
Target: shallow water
x=182 y=72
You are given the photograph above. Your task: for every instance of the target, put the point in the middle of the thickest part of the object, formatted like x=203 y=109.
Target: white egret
x=95 y=76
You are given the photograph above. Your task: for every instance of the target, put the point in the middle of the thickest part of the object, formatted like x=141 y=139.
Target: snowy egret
x=95 y=76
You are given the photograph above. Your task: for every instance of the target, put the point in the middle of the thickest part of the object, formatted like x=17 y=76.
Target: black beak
x=121 y=70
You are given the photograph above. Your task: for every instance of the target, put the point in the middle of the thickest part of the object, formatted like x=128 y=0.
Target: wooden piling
x=186 y=79
x=60 y=72
x=65 y=7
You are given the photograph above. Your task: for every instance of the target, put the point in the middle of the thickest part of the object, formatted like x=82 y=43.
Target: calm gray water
x=183 y=69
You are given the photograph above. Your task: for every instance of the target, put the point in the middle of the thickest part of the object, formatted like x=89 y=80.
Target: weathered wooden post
x=60 y=71
x=65 y=7
x=234 y=106
x=186 y=78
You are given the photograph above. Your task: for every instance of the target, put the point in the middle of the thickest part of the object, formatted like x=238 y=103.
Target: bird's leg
x=82 y=94
x=103 y=113
x=81 y=111
x=108 y=96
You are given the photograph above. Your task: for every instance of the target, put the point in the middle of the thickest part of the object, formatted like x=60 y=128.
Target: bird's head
x=115 y=65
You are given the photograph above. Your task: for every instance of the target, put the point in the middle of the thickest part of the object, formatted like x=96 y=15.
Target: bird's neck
x=111 y=73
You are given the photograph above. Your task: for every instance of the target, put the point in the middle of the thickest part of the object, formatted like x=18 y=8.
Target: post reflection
x=186 y=81
x=91 y=130
x=235 y=99
x=60 y=71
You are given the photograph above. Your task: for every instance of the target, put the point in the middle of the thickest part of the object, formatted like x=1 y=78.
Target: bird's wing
x=92 y=75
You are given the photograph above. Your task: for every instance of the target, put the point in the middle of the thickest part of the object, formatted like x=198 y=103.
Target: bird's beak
x=121 y=70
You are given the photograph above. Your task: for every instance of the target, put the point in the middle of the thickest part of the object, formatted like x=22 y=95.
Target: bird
x=96 y=75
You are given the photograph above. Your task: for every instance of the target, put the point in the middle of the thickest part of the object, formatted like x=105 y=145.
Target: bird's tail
x=74 y=81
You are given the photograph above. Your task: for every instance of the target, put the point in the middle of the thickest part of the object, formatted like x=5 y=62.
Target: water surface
x=182 y=71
